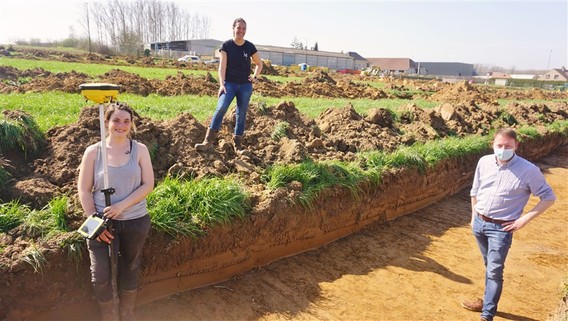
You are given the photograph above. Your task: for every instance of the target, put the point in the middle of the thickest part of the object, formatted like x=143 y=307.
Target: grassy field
x=93 y=69
x=56 y=108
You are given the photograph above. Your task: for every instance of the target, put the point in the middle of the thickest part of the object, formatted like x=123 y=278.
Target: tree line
x=126 y=25
x=117 y=26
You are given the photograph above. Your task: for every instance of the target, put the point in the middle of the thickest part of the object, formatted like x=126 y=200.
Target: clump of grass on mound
x=528 y=133
x=74 y=244
x=20 y=133
x=11 y=215
x=280 y=131
x=183 y=207
x=560 y=127
x=33 y=255
x=315 y=177
x=47 y=222
x=424 y=155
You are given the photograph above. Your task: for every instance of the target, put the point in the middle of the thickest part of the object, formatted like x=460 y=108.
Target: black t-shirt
x=238 y=60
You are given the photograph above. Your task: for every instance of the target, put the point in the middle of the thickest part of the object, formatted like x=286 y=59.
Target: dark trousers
x=128 y=243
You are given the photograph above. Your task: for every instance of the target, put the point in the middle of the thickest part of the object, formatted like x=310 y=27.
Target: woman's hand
x=106 y=236
x=113 y=211
x=222 y=90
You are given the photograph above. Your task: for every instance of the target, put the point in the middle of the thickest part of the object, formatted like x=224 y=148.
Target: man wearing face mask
x=501 y=188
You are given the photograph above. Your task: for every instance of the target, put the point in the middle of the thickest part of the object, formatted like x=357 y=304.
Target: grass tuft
x=280 y=131
x=74 y=244
x=315 y=177
x=182 y=207
x=34 y=257
x=20 y=133
x=12 y=215
x=48 y=221
x=423 y=155
x=560 y=127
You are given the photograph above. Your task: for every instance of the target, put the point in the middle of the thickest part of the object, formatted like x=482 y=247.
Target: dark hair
x=509 y=132
x=239 y=20
x=121 y=106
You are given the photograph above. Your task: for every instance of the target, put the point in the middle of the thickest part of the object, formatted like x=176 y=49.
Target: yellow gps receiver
x=99 y=92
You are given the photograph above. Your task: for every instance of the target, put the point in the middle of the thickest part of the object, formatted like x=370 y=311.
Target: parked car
x=211 y=61
x=190 y=58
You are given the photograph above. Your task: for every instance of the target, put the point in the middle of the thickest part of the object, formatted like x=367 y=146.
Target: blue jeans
x=494 y=244
x=243 y=92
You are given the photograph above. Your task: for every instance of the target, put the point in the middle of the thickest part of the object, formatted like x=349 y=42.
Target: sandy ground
x=417 y=267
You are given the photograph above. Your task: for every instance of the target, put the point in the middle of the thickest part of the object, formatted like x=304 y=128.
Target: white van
x=190 y=58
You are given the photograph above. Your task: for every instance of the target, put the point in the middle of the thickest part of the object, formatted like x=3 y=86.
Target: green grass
x=12 y=215
x=34 y=257
x=58 y=109
x=525 y=132
x=280 y=131
x=48 y=221
x=424 y=155
x=315 y=177
x=560 y=126
x=20 y=132
x=52 y=109
x=74 y=244
x=48 y=109
x=505 y=102
x=94 y=70
x=180 y=207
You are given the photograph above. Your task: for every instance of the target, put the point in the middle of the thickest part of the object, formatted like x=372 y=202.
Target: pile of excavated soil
x=316 y=84
x=338 y=134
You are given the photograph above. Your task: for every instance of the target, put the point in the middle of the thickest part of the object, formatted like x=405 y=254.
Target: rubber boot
x=107 y=311
x=208 y=141
x=127 y=300
x=238 y=140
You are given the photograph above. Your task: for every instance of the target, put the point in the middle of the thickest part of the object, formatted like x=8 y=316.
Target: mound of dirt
x=462 y=92
x=182 y=84
x=275 y=134
x=348 y=132
x=128 y=82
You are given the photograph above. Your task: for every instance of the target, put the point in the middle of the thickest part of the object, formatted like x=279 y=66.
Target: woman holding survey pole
x=131 y=176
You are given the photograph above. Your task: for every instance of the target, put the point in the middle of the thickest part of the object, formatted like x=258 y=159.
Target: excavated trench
x=273 y=231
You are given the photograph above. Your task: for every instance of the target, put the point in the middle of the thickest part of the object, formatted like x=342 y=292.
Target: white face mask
x=503 y=154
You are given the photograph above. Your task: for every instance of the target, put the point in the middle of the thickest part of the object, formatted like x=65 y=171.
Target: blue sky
x=519 y=34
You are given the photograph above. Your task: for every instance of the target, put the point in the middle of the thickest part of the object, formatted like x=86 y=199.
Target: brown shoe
x=207 y=142
x=474 y=305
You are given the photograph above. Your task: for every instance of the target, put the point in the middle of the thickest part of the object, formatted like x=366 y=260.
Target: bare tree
x=296 y=44
x=125 y=25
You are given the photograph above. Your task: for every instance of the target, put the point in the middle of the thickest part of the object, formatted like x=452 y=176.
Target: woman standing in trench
x=130 y=173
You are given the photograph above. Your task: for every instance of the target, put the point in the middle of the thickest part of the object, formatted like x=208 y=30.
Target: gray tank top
x=124 y=179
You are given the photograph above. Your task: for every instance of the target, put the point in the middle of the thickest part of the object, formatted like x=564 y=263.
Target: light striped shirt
x=502 y=191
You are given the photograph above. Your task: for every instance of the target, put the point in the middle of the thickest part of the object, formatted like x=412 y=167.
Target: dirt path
x=417 y=267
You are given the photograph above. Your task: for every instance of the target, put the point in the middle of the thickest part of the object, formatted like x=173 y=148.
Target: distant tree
x=315 y=47
x=296 y=44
